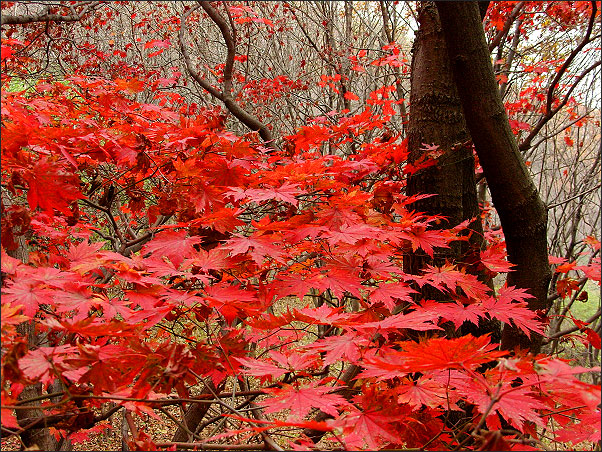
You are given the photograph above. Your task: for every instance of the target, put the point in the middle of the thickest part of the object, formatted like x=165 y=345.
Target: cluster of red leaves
x=229 y=233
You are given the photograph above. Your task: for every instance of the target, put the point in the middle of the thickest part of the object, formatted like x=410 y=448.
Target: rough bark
x=522 y=214
x=437 y=118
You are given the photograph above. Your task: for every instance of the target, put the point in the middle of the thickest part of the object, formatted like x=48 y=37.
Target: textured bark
x=436 y=117
x=522 y=213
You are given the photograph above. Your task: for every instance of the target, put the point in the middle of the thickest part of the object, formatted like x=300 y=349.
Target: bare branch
x=45 y=16
x=574 y=197
x=526 y=143
x=225 y=95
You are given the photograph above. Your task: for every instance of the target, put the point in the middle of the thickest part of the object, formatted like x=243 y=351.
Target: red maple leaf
x=51 y=187
x=325 y=315
x=257 y=247
x=448 y=277
x=339 y=348
x=259 y=368
x=300 y=400
x=40 y=364
x=455 y=312
x=495 y=260
x=285 y=193
x=27 y=294
x=366 y=428
x=424 y=391
x=509 y=307
x=173 y=244
x=388 y=293
x=441 y=353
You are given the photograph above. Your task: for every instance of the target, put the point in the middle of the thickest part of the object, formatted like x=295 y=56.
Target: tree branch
x=551 y=206
x=504 y=31
x=572 y=329
x=526 y=143
x=225 y=95
x=8 y=19
x=549 y=112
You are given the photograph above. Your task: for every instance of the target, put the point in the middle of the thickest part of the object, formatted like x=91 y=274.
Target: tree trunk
x=436 y=117
x=39 y=436
x=522 y=213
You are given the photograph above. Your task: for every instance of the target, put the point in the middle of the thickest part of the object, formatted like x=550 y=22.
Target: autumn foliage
x=168 y=254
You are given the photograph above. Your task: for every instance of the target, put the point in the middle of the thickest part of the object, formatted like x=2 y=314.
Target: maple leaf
x=84 y=435
x=27 y=294
x=366 y=428
x=291 y=285
x=587 y=429
x=338 y=215
x=309 y=136
x=339 y=348
x=442 y=353
x=173 y=244
x=214 y=259
x=455 y=312
x=285 y=193
x=325 y=315
x=260 y=248
x=388 y=293
x=423 y=391
x=338 y=281
x=85 y=256
x=300 y=400
x=287 y=363
x=51 y=187
x=157 y=43
x=292 y=361
x=509 y=307
x=9 y=264
x=231 y=301
x=415 y=320
x=448 y=277
x=9 y=317
x=494 y=260
x=131 y=86
x=352 y=233
x=40 y=364
x=420 y=237
x=260 y=368
x=5 y=52
x=221 y=219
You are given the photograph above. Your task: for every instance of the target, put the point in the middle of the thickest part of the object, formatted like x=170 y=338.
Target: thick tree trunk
x=436 y=117
x=522 y=213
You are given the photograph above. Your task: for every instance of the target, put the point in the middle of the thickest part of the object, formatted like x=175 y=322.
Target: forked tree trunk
x=522 y=213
